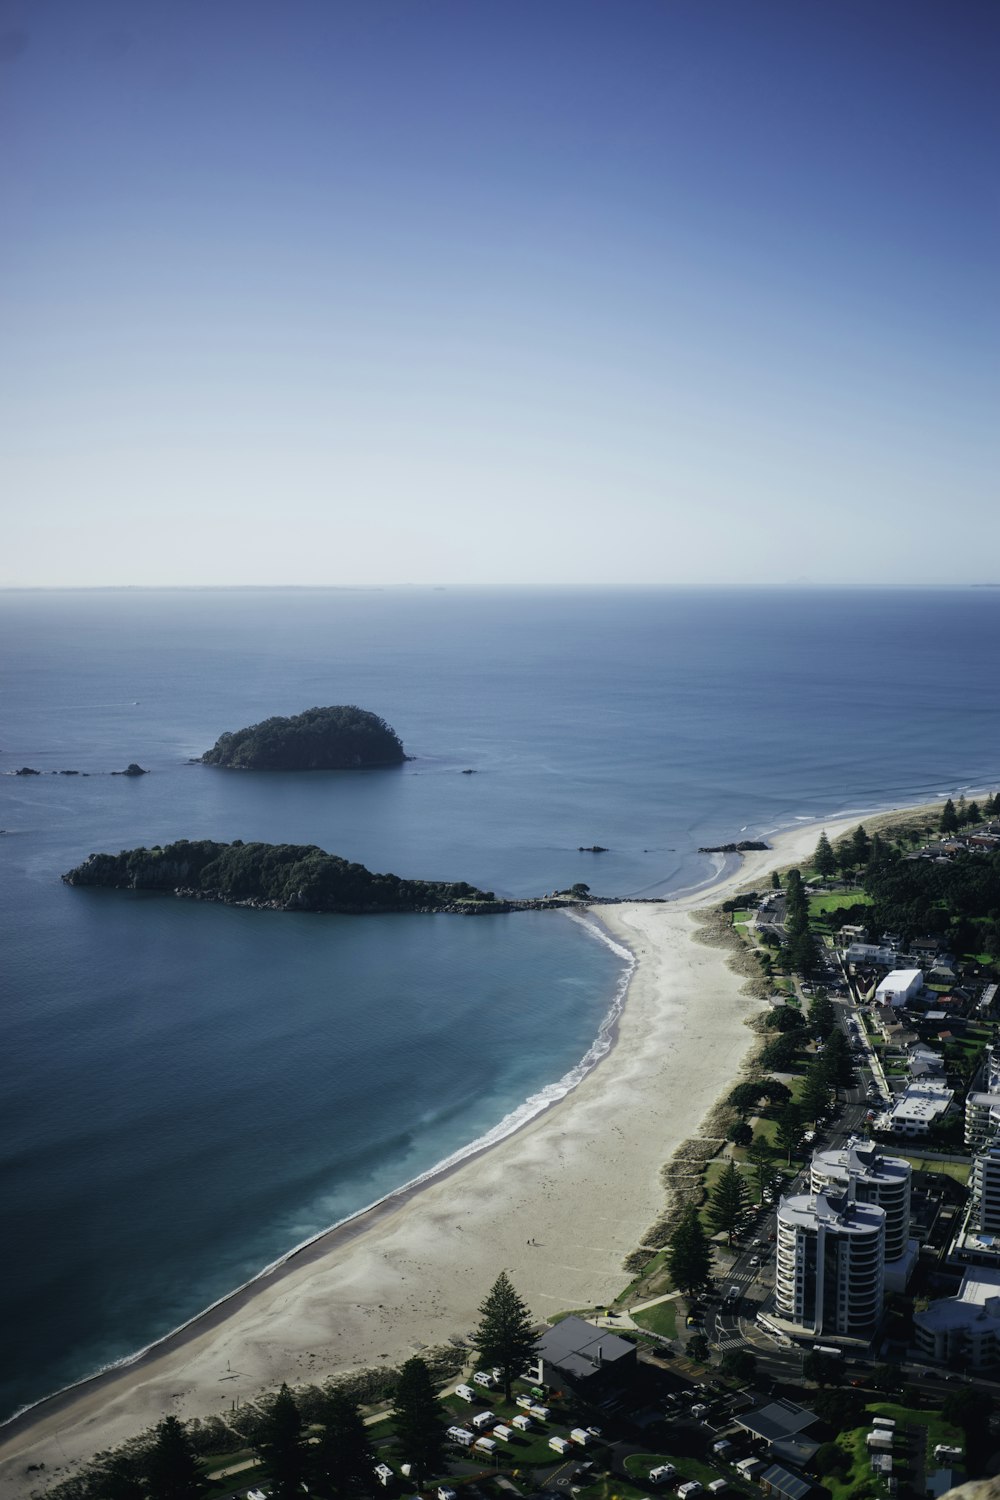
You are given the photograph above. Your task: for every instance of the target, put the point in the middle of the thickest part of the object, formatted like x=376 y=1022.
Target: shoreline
x=274 y=1323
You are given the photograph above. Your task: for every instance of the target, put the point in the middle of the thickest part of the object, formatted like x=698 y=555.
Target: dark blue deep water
x=188 y=1091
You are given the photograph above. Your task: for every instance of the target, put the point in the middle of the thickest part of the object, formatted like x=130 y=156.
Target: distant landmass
x=285 y=877
x=341 y=738
x=745 y=846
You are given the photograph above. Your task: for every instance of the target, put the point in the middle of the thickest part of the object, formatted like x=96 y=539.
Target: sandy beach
x=559 y=1204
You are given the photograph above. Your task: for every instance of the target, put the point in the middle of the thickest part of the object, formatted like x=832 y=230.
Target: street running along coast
x=559 y=1203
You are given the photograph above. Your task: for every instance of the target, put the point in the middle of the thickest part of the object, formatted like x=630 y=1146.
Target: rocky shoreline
x=448 y=908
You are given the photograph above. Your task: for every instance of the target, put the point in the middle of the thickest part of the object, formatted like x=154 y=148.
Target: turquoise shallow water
x=187 y=1091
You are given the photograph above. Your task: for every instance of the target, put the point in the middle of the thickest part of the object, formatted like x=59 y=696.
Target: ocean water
x=187 y=1091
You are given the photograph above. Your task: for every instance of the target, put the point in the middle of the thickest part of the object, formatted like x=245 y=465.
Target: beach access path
x=558 y=1205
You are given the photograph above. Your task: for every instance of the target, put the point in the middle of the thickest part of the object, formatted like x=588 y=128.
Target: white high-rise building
x=984 y=1216
x=982 y=1105
x=830 y=1276
x=867 y=1175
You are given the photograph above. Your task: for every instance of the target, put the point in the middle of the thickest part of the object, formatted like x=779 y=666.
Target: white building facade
x=899 y=987
x=867 y=1175
x=965 y=1328
x=830 y=1265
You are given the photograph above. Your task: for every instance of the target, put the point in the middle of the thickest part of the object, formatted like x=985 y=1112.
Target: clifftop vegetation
x=341 y=738
x=290 y=877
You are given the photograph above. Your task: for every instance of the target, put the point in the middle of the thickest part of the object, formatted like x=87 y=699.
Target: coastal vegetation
x=505 y=1337
x=339 y=738
x=418 y=1420
x=287 y=877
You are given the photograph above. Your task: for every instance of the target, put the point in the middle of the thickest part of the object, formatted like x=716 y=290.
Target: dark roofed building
x=785 y=1484
x=586 y=1356
x=776 y=1422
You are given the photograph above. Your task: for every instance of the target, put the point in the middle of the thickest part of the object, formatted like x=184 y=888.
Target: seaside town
x=817 y=1314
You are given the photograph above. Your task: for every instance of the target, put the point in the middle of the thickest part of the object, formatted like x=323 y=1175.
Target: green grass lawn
x=853 y=1443
x=837 y=901
x=638 y=1465
x=661 y=1319
x=956 y=1169
x=613 y=1487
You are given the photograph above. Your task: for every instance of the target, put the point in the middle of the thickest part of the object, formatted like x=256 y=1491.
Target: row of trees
x=965 y=814
x=689 y=1253
x=335 y=1457
x=800 y=944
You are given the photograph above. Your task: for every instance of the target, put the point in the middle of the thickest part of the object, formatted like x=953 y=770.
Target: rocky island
x=340 y=738
x=745 y=846
x=284 y=877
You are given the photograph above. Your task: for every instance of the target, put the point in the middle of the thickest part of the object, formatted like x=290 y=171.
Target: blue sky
x=460 y=291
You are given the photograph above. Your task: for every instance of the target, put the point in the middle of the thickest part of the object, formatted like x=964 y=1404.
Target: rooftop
x=784 y=1482
x=580 y=1348
x=777 y=1420
x=861 y=1158
x=901 y=979
x=833 y=1211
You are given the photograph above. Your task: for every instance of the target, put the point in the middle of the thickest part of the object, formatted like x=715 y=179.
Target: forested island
x=285 y=877
x=340 y=738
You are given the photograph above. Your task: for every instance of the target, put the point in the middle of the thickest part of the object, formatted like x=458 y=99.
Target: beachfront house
x=591 y=1360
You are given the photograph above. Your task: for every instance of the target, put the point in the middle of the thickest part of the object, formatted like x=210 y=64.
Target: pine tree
x=505 y=1336
x=418 y=1420
x=788 y=1131
x=727 y=1204
x=761 y=1160
x=822 y=1015
x=342 y=1460
x=172 y=1468
x=824 y=860
x=121 y=1478
x=881 y=853
x=280 y=1444
x=860 y=845
x=949 y=818
x=815 y=1095
x=975 y=814
x=837 y=1064
x=689 y=1254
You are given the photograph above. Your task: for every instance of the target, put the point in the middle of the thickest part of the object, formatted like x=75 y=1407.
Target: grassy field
x=638 y=1465
x=837 y=901
x=956 y=1169
x=661 y=1319
x=853 y=1442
